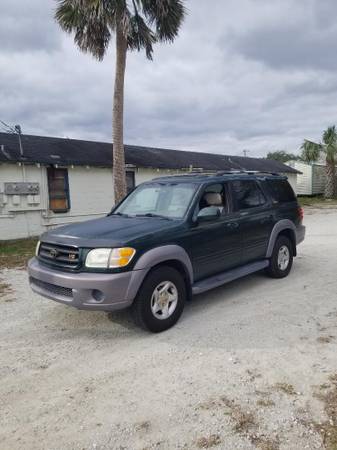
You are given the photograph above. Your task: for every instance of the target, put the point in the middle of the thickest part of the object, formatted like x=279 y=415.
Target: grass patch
x=5 y=288
x=265 y=402
x=244 y=423
x=328 y=429
x=286 y=388
x=15 y=254
x=208 y=442
x=317 y=201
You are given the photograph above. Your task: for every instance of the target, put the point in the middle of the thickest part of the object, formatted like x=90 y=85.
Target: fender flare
x=154 y=257
x=284 y=224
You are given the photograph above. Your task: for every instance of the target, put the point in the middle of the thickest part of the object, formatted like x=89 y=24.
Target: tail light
x=301 y=213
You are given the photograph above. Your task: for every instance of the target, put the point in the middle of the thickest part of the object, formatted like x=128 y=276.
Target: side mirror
x=208 y=214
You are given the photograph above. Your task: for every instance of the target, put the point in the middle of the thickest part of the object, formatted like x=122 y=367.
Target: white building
x=311 y=179
x=57 y=181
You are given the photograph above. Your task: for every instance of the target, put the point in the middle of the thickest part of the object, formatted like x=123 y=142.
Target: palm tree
x=137 y=25
x=312 y=151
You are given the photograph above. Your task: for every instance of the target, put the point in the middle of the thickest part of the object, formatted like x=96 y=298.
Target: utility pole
x=17 y=128
x=245 y=153
x=14 y=130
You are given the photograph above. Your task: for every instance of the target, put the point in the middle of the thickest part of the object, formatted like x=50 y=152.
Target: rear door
x=256 y=218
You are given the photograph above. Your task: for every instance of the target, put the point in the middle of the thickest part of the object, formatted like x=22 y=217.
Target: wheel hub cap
x=283 y=257
x=164 y=300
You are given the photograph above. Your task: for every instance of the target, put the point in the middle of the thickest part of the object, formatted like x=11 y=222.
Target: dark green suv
x=168 y=239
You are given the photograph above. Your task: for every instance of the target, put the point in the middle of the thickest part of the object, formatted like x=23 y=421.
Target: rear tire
x=160 y=300
x=281 y=260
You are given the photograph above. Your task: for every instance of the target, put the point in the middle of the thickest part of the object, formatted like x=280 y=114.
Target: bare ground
x=251 y=365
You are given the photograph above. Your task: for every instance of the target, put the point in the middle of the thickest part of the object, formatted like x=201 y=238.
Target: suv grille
x=52 y=288
x=60 y=255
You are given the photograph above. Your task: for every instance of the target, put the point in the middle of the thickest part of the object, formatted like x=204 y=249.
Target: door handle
x=232 y=225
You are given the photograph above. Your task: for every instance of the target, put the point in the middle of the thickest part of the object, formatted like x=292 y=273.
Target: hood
x=108 y=231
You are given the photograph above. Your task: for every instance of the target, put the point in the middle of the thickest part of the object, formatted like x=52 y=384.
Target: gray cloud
x=228 y=83
x=296 y=46
x=28 y=26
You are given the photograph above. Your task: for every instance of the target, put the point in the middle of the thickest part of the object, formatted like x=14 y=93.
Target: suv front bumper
x=93 y=291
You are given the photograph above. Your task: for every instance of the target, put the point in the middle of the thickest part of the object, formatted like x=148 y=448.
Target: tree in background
x=137 y=25
x=283 y=156
x=312 y=151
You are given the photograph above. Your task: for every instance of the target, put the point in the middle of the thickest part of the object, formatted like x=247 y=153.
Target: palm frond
x=140 y=36
x=166 y=16
x=330 y=136
x=311 y=151
x=88 y=20
x=330 y=147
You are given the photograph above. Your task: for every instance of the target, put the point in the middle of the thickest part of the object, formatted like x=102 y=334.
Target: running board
x=226 y=277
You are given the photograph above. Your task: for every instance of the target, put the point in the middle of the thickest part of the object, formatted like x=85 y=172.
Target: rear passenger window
x=248 y=194
x=281 y=191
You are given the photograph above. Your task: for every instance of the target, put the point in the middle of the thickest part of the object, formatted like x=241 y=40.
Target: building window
x=130 y=180
x=58 y=187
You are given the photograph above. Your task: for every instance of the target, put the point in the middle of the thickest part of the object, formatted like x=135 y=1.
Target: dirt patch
x=5 y=291
x=325 y=339
x=143 y=426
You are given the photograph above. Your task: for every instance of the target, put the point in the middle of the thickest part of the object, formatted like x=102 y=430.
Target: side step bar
x=226 y=277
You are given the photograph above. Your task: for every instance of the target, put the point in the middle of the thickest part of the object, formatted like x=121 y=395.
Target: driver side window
x=213 y=198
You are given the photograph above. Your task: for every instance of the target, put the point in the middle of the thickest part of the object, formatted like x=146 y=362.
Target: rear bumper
x=92 y=291
x=300 y=234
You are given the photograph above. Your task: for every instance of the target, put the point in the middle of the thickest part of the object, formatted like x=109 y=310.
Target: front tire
x=160 y=300
x=281 y=260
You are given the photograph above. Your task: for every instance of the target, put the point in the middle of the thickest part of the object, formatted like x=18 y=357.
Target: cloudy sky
x=258 y=75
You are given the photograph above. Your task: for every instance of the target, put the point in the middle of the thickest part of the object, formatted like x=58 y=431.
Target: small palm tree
x=312 y=151
x=136 y=24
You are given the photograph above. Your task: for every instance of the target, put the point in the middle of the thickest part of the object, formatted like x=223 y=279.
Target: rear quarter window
x=247 y=194
x=281 y=191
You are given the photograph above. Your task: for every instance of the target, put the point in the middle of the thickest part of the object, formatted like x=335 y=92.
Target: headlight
x=37 y=248
x=109 y=258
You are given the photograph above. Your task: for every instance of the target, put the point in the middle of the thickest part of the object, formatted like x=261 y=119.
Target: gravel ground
x=242 y=368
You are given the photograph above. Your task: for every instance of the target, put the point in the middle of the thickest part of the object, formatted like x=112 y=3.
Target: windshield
x=169 y=200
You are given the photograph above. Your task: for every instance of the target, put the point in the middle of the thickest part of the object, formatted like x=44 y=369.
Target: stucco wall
x=91 y=196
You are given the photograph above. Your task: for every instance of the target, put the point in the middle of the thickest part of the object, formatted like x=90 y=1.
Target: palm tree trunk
x=118 y=115
x=330 y=181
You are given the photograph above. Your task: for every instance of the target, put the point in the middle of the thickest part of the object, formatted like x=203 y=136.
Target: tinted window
x=248 y=194
x=281 y=191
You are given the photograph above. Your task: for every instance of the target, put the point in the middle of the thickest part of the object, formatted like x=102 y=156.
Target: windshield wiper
x=153 y=215
x=119 y=214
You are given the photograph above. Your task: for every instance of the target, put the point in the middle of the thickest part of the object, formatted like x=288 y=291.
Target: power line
x=14 y=130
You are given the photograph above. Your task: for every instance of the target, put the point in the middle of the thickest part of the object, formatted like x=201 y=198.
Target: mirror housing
x=208 y=214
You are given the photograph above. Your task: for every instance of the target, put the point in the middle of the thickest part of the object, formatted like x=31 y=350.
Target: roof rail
x=246 y=172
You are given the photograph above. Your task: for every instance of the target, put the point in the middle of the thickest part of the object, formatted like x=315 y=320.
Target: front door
x=215 y=245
